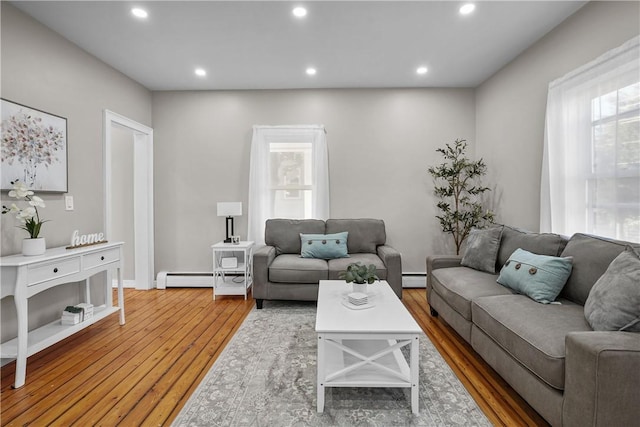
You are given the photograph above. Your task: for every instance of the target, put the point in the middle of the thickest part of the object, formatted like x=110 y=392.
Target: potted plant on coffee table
x=360 y=275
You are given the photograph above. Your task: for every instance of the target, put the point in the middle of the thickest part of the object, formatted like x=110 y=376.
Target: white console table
x=26 y=276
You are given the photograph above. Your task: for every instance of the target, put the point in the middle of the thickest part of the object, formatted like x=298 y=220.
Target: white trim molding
x=143 y=193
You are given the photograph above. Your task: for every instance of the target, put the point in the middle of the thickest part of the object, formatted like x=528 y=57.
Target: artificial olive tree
x=457 y=185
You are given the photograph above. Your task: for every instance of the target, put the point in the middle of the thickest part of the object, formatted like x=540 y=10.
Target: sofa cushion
x=540 y=277
x=340 y=264
x=614 y=301
x=458 y=286
x=591 y=258
x=538 y=243
x=532 y=333
x=364 y=234
x=288 y=268
x=481 y=250
x=284 y=234
x=324 y=246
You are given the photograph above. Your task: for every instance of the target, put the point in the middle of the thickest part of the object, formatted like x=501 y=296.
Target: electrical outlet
x=68 y=203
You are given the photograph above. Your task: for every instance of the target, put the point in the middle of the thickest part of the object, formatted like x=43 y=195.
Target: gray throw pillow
x=482 y=249
x=613 y=303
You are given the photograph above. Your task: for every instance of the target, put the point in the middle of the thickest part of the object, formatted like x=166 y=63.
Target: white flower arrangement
x=29 y=216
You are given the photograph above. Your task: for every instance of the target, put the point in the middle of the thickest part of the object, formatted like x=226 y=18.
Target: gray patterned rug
x=266 y=376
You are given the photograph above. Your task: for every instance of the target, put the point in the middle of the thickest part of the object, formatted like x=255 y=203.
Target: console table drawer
x=100 y=258
x=42 y=272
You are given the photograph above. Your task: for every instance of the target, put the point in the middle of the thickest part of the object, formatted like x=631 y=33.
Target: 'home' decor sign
x=78 y=240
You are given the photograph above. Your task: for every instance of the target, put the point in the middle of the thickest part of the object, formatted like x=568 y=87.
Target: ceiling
x=262 y=45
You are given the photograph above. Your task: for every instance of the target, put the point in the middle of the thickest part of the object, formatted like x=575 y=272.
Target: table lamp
x=229 y=209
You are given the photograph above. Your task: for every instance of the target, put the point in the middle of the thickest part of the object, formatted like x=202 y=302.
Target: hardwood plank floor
x=142 y=373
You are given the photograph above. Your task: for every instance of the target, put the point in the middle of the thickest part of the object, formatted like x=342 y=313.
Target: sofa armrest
x=440 y=261
x=393 y=261
x=602 y=379
x=262 y=259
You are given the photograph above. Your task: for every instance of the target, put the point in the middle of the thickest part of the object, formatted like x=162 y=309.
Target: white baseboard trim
x=414 y=280
x=125 y=283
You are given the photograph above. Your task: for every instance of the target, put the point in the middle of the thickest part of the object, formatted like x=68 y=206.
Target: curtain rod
x=290 y=127
x=619 y=51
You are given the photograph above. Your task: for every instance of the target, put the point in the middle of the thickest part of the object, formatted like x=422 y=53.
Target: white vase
x=31 y=247
x=360 y=287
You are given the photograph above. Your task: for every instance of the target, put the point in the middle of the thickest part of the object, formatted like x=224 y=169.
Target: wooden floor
x=142 y=373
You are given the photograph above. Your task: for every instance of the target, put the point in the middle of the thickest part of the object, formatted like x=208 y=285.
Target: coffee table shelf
x=367 y=375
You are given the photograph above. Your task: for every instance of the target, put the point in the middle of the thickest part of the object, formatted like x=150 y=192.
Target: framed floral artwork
x=34 y=148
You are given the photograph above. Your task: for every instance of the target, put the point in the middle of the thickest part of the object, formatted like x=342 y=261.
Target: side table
x=232 y=280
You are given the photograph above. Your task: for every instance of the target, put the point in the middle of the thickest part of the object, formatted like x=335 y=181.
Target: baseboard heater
x=184 y=279
x=414 y=280
x=178 y=279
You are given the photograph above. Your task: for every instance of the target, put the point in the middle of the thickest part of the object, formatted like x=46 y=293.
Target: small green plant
x=459 y=189
x=359 y=273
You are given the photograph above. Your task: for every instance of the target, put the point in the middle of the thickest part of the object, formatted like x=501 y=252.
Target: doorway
x=128 y=189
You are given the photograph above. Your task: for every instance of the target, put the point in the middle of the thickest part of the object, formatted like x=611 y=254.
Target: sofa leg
x=259 y=303
x=433 y=312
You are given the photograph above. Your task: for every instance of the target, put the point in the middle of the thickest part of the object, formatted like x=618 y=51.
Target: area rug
x=266 y=376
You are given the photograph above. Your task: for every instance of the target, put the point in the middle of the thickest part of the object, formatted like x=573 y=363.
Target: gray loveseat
x=279 y=273
x=569 y=373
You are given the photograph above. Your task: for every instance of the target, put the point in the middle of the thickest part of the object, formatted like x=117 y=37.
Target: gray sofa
x=279 y=273
x=569 y=373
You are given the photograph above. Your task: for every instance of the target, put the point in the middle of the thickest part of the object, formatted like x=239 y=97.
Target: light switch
x=68 y=203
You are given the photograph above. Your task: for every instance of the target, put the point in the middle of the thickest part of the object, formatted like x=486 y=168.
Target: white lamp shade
x=229 y=208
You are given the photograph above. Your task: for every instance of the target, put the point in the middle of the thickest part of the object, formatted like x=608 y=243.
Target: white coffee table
x=361 y=348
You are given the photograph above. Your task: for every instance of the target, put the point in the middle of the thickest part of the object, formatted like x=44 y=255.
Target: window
x=591 y=169
x=289 y=175
x=291 y=179
x=613 y=185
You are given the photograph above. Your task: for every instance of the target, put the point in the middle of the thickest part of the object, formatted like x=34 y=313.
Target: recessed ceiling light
x=200 y=72
x=467 y=8
x=422 y=70
x=299 y=12
x=139 y=13
x=311 y=71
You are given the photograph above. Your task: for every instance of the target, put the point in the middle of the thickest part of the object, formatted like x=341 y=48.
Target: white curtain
x=263 y=188
x=590 y=112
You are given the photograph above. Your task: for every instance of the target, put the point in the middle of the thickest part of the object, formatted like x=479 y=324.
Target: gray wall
x=381 y=143
x=42 y=70
x=510 y=106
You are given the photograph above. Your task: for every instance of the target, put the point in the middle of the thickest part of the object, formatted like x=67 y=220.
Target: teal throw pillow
x=324 y=246
x=540 y=277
